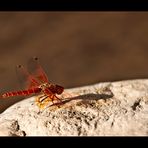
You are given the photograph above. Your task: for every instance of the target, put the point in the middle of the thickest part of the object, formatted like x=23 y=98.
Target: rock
x=103 y=109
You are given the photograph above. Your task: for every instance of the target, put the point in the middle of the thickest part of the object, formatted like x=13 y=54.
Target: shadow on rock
x=90 y=96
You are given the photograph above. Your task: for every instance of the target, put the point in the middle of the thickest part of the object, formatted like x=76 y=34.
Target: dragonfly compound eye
x=59 y=89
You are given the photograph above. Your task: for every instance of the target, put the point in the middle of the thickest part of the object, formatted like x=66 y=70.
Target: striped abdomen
x=21 y=92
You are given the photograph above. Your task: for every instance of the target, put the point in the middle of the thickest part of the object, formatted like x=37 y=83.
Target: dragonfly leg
x=67 y=94
x=54 y=97
x=42 y=96
x=46 y=100
x=58 y=98
x=42 y=101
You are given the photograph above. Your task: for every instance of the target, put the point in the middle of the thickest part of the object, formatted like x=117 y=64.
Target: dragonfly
x=37 y=83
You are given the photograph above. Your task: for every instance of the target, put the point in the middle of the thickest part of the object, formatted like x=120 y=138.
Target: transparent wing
x=36 y=70
x=25 y=78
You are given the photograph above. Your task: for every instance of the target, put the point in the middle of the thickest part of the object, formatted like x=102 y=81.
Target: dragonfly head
x=59 y=89
x=56 y=89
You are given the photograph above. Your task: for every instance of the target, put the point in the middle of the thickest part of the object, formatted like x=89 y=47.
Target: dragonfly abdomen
x=21 y=92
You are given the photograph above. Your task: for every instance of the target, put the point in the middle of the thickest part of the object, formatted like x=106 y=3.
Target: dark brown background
x=75 y=48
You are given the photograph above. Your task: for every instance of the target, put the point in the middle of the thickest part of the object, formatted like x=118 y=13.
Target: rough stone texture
x=117 y=108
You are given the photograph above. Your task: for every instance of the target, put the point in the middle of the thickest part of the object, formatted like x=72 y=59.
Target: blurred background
x=74 y=48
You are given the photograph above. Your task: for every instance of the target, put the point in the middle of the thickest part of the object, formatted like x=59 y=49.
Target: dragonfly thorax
x=55 y=89
x=44 y=86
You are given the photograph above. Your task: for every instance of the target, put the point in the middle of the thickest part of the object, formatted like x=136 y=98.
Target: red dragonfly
x=37 y=82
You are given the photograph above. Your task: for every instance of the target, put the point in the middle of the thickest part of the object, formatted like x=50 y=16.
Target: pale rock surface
x=103 y=109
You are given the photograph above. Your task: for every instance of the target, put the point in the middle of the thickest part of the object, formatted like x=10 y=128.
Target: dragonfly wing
x=26 y=80
x=36 y=70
